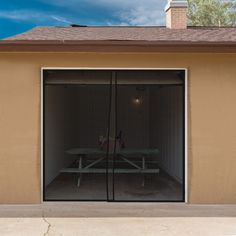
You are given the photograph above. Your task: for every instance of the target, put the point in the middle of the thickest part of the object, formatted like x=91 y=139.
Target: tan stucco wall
x=211 y=113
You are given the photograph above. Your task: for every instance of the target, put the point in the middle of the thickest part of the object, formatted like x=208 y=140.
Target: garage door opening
x=114 y=135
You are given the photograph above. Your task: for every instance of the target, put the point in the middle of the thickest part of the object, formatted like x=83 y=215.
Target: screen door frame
x=185 y=136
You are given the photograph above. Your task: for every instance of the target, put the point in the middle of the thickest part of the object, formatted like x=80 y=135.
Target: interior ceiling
x=123 y=76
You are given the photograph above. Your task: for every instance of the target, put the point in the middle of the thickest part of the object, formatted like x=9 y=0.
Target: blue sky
x=17 y=16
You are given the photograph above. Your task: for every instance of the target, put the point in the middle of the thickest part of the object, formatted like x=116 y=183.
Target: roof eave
x=114 y=46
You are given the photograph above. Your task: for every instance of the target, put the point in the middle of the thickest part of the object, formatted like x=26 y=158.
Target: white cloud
x=110 y=3
x=20 y=15
x=33 y=16
x=127 y=12
x=137 y=12
x=142 y=16
x=61 y=19
x=121 y=12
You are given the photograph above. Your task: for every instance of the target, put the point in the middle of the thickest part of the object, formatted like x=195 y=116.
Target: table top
x=146 y=151
x=124 y=152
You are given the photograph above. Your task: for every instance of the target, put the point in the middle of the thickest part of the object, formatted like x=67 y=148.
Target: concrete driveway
x=152 y=226
x=117 y=219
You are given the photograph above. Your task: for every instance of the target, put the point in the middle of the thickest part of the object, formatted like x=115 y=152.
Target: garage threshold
x=104 y=209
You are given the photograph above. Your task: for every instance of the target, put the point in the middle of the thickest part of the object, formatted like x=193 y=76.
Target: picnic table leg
x=80 y=174
x=143 y=167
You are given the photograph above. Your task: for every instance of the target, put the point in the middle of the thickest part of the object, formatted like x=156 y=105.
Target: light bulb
x=137 y=100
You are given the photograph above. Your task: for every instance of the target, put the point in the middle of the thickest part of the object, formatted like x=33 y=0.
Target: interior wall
x=133 y=119
x=77 y=116
x=91 y=111
x=59 y=133
x=166 y=128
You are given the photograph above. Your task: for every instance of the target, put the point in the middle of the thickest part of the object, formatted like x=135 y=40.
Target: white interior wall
x=58 y=130
x=91 y=108
x=156 y=122
x=166 y=131
x=92 y=115
x=133 y=119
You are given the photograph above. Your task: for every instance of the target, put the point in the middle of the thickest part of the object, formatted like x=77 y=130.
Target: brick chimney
x=176 y=14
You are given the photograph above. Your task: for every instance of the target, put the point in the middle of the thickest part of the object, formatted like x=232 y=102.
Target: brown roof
x=114 y=33
x=122 y=39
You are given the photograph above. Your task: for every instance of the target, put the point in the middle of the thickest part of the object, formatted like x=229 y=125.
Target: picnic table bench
x=127 y=155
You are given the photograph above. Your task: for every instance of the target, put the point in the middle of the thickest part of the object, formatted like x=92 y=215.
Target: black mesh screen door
x=77 y=107
x=113 y=135
x=148 y=137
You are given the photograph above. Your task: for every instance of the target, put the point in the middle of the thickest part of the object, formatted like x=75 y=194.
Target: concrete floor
x=117 y=226
x=128 y=187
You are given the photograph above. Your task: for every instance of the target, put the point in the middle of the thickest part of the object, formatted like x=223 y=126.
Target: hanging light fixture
x=137 y=100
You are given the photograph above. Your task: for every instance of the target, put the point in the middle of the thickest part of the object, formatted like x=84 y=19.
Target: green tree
x=212 y=12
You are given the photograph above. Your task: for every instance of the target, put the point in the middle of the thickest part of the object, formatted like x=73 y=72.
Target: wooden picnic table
x=125 y=154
